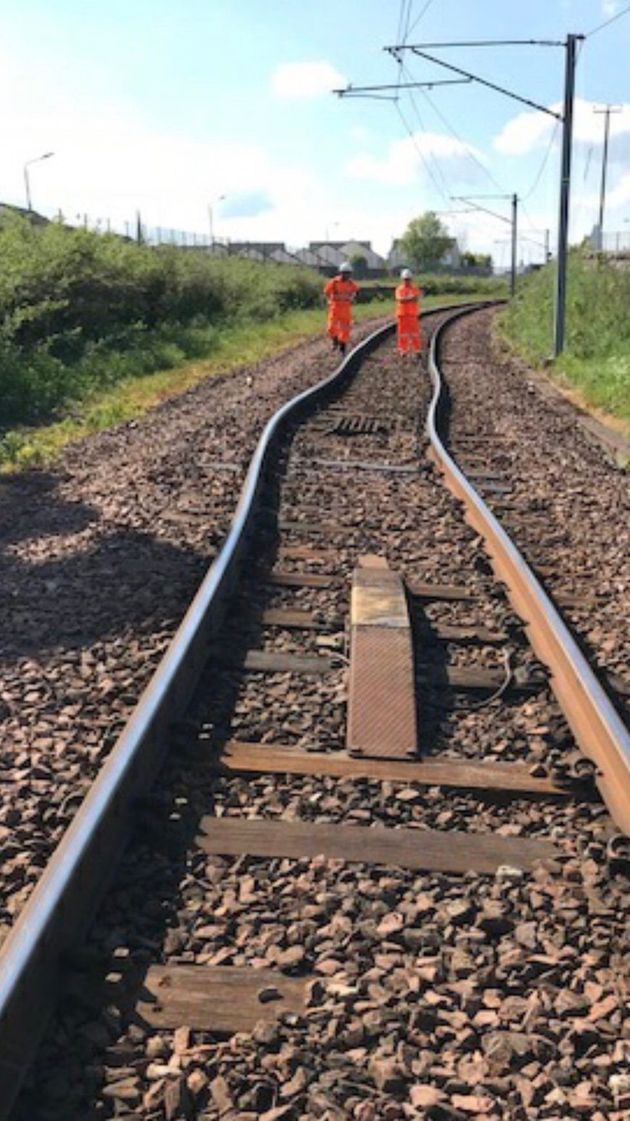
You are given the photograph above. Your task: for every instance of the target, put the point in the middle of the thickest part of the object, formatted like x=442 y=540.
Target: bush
x=597 y=355
x=80 y=310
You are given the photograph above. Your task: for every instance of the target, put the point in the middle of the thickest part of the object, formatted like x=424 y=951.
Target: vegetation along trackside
x=597 y=359
x=81 y=311
x=94 y=328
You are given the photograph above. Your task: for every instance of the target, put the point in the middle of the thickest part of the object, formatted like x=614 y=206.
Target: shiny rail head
x=65 y=898
x=593 y=719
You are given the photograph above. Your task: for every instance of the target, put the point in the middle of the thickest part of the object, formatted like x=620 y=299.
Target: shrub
x=81 y=310
x=597 y=355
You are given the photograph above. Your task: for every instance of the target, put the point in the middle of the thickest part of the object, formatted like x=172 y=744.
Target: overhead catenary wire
x=403 y=29
x=606 y=23
x=456 y=135
x=436 y=162
x=552 y=139
x=438 y=186
x=421 y=16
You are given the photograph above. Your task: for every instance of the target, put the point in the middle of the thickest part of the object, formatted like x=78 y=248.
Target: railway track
x=447 y=958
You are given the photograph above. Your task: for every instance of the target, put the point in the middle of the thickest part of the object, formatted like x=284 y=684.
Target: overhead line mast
x=566 y=117
x=511 y=221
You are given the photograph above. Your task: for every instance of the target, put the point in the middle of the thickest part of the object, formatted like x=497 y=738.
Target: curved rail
x=64 y=900
x=596 y=725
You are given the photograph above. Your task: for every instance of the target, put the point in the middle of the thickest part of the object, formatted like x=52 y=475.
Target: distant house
x=310 y=257
x=332 y=253
x=283 y=256
x=255 y=250
x=397 y=259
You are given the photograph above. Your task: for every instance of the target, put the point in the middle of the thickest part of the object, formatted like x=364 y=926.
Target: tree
x=425 y=241
x=359 y=265
x=476 y=260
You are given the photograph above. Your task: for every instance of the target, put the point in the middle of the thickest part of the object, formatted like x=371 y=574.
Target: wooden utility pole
x=602 y=190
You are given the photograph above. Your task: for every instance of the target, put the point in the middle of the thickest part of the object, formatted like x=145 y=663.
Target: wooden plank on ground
x=445 y=632
x=381 y=698
x=283 y=579
x=494 y=486
x=421 y=589
x=290 y=525
x=427 y=849
x=240 y=756
x=217 y=998
x=289 y=617
x=474 y=471
x=307 y=552
x=483 y=678
x=283 y=661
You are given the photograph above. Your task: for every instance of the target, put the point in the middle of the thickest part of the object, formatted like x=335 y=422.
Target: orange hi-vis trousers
x=340 y=294
x=409 y=337
x=407 y=321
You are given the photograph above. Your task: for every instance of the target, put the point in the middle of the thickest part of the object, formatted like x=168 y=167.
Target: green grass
x=596 y=363
x=80 y=311
x=131 y=396
x=443 y=284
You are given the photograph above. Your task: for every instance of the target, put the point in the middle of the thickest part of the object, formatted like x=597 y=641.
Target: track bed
x=298 y=930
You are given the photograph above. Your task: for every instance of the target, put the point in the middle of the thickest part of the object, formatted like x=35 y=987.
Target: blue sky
x=166 y=107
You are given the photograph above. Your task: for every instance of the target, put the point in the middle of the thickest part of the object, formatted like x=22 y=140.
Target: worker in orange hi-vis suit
x=340 y=292
x=407 y=314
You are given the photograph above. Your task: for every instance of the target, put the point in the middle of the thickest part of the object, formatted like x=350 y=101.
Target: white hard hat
x=405 y=274
x=345 y=267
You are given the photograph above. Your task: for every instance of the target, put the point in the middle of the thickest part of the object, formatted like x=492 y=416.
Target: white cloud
x=524 y=132
x=528 y=131
x=109 y=161
x=306 y=79
x=610 y=8
x=619 y=198
x=405 y=159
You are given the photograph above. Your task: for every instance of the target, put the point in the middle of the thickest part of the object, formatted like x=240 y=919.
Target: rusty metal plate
x=381 y=702
x=357 y=424
x=378 y=599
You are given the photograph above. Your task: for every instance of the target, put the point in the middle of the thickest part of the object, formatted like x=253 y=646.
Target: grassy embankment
x=596 y=363
x=94 y=330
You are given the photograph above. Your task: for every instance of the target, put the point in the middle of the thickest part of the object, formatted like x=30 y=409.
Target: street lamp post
x=27 y=184
x=210 y=217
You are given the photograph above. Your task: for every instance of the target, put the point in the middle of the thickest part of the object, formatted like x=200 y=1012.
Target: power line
x=601 y=26
x=422 y=14
x=471 y=155
x=400 y=15
x=443 y=190
x=436 y=162
x=415 y=48
x=455 y=134
x=403 y=29
x=543 y=165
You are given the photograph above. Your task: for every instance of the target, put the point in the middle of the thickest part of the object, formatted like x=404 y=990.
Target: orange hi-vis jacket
x=340 y=293
x=407 y=312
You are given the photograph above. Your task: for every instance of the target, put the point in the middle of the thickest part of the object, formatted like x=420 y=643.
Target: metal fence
x=616 y=242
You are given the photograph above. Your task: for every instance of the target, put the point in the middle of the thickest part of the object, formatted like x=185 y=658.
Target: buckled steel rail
x=64 y=901
x=596 y=725
x=65 y=898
